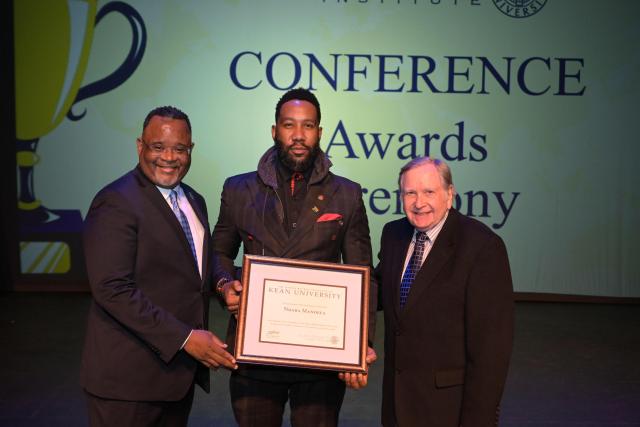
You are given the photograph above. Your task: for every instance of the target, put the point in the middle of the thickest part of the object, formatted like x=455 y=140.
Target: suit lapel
x=193 y=201
x=439 y=255
x=268 y=228
x=191 y=197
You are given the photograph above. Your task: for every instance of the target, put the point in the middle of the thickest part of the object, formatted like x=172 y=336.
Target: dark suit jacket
x=147 y=294
x=251 y=214
x=446 y=353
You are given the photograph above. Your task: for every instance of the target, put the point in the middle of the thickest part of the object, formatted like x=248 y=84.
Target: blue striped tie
x=413 y=267
x=173 y=198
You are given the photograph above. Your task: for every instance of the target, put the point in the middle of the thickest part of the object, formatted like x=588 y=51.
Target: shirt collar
x=167 y=191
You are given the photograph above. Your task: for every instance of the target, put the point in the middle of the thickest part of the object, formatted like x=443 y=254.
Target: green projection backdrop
x=533 y=103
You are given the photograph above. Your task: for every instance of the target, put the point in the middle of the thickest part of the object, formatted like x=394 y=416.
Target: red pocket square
x=329 y=217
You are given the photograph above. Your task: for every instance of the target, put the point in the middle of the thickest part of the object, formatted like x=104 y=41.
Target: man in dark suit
x=448 y=308
x=280 y=210
x=147 y=249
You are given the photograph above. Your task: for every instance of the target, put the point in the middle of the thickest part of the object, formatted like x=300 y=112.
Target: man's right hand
x=232 y=292
x=209 y=350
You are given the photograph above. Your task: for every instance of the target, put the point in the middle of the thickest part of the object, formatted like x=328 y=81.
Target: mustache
x=167 y=163
x=298 y=145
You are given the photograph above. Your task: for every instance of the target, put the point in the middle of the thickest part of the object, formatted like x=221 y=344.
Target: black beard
x=294 y=164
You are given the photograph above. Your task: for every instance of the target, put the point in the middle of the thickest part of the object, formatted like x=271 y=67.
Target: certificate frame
x=303 y=314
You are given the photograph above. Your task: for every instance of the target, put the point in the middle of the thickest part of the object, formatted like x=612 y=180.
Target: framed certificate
x=303 y=314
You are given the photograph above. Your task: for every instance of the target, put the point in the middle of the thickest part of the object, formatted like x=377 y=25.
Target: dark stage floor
x=573 y=365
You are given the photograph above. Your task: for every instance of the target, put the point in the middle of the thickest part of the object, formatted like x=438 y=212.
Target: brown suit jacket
x=252 y=215
x=447 y=351
x=147 y=294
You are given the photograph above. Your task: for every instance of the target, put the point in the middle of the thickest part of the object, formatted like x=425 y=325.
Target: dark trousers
x=261 y=403
x=124 y=413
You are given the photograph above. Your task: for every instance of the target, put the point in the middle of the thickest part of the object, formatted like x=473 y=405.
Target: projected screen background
x=533 y=104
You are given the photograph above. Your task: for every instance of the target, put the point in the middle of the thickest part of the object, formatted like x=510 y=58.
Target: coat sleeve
x=226 y=238
x=110 y=245
x=378 y=271
x=356 y=249
x=489 y=326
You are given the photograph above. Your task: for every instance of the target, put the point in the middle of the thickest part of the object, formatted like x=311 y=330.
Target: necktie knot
x=421 y=238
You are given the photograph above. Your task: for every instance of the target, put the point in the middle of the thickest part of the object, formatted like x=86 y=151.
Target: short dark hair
x=300 y=94
x=167 y=111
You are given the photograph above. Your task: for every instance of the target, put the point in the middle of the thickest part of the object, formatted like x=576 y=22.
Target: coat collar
x=403 y=236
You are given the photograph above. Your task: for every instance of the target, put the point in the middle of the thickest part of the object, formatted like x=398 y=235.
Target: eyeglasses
x=179 y=150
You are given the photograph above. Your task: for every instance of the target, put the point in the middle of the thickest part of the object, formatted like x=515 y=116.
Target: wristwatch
x=220 y=286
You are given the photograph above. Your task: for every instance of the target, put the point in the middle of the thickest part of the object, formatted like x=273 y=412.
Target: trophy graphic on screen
x=52 y=44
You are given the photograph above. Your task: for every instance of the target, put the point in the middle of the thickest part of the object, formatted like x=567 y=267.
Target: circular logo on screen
x=519 y=8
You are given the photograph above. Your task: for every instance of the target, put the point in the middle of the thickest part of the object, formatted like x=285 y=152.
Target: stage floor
x=573 y=365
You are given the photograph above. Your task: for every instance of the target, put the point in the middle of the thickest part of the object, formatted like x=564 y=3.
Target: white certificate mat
x=303 y=314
